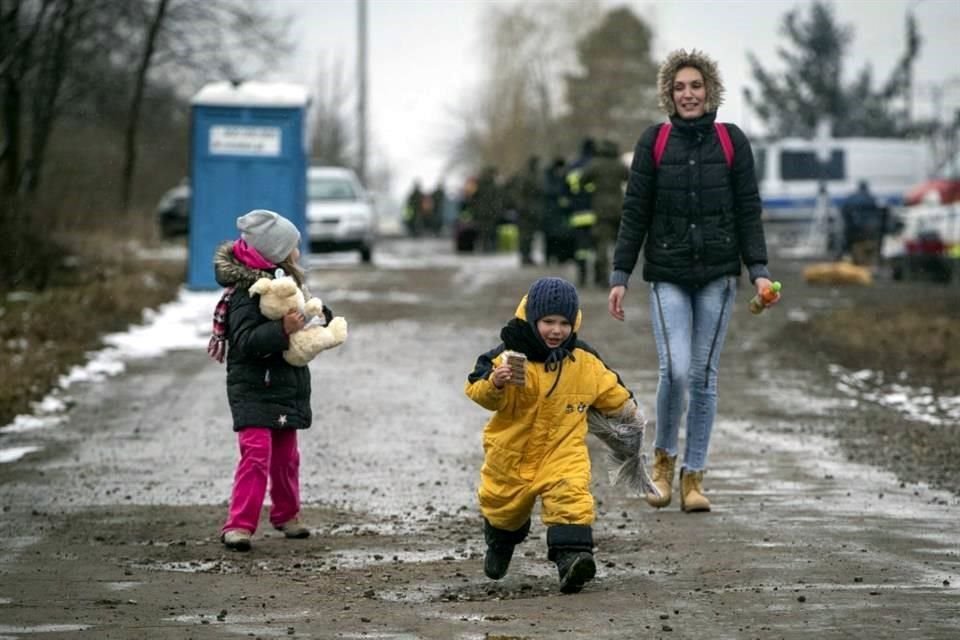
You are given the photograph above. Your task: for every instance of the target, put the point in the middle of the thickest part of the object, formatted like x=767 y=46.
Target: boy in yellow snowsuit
x=535 y=443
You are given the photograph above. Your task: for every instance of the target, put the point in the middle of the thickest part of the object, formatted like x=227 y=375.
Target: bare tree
x=130 y=146
x=225 y=39
x=185 y=39
x=331 y=124
x=94 y=64
x=516 y=112
x=22 y=25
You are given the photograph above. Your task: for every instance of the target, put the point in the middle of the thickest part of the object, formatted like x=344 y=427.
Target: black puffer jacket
x=696 y=218
x=262 y=388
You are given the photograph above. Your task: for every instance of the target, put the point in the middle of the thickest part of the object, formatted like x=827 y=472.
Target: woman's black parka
x=696 y=218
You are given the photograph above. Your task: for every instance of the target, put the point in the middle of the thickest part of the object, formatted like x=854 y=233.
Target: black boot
x=500 y=544
x=576 y=568
x=571 y=547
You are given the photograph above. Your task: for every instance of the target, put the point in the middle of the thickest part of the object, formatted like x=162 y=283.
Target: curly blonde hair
x=700 y=61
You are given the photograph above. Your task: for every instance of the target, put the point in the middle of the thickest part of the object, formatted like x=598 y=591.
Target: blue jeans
x=689 y=325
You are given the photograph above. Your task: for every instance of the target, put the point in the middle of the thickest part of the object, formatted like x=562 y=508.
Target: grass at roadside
x=43 y=334
x=884 y=333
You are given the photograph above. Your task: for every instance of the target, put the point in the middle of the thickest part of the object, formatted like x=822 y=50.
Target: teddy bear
x=280 y=294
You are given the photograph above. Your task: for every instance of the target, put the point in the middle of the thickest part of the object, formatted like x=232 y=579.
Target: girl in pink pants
x=269 y=398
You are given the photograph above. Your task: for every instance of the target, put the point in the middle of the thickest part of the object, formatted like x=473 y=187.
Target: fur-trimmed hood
x=707 y=66
x=231 y=272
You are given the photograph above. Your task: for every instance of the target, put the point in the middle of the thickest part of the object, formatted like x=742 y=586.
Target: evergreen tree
x=614 y=96
x=811 y=86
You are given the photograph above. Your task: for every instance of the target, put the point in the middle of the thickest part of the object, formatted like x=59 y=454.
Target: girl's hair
x=293 y=270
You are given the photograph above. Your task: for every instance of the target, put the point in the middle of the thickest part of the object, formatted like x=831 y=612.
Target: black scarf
x=520 y=335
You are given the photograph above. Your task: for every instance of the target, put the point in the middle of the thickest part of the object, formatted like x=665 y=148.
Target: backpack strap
x=661 y=143
x=725 y=142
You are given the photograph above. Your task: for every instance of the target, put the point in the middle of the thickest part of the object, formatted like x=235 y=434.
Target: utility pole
x=362 y=90
x=818 y=237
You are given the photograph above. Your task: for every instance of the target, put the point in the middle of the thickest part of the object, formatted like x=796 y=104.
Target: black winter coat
x=262 y=388
x=696 y=218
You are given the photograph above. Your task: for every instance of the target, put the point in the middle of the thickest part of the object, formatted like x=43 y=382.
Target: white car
x=340 y=212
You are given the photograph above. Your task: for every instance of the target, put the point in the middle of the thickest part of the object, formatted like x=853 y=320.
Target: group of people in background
x=427 y=213
x=573 y=205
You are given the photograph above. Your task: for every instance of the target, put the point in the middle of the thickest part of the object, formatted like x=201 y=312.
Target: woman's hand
x=293 y=321
x=762 y=284
x=500 y=376
x=615 y=301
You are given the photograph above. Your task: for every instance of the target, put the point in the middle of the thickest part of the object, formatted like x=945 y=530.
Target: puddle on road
x=122 y=586
x=274 y=625
x=916 y=403
x=793 y=400
x=367 y=635
x=370 y=557
x=12 y=547
x=474 y=589
x=207 y=566
x=328 y=561
x=44 y=628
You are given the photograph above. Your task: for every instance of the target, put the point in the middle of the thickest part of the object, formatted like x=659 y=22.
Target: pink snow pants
x=265 y=454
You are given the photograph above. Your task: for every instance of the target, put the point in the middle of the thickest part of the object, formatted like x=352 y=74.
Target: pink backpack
x=664 y=133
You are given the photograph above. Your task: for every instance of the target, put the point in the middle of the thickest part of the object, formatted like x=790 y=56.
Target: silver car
x=340 y=212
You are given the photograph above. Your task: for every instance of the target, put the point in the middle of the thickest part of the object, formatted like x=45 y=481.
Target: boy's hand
x=500 y=376
x=293 y=321
x=615 y=302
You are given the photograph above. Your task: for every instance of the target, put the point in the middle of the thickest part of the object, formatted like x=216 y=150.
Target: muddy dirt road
x=109 y=530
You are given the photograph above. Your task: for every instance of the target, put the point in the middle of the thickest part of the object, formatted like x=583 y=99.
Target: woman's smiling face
x=689 y=93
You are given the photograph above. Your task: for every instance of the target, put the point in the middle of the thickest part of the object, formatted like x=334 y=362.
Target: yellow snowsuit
x=535 y=442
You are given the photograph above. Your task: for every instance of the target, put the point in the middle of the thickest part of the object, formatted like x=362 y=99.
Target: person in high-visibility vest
x=582 y=218
x=607 y=174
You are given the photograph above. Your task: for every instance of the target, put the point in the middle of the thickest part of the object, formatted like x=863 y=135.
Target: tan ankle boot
x=691 y=492
x=663 y=467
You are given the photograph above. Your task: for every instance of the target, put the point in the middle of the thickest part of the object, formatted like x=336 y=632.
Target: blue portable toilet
x=248 y=151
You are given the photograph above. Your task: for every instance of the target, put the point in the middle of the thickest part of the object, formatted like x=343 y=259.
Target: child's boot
x=236 y=539
x=691 y=491
x=500 y=545
x=662 y=477
x=293 y=528
x=571 y=547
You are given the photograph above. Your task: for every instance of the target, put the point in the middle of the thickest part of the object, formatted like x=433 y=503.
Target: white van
x=788 y=174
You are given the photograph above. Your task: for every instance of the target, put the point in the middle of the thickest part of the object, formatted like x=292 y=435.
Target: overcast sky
x=426 y=55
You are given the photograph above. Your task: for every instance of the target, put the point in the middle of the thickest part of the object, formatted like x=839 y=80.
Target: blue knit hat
x=552 y=296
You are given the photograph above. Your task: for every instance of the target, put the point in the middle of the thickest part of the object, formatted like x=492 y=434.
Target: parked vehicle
x=340 y=213
x=173 y=211
x=942 y=188
x=789 y=176
x=928 y=245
